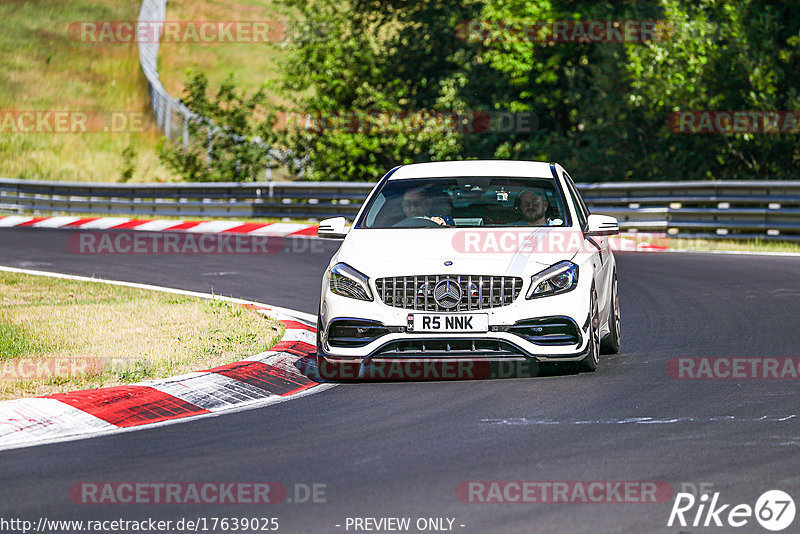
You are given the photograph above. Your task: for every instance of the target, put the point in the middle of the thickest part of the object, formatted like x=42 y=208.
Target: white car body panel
x=395 y=252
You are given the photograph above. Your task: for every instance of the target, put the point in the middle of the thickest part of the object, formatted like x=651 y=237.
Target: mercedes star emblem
x=447 y=294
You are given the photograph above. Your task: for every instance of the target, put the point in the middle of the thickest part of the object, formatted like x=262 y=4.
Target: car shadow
x=410 y=370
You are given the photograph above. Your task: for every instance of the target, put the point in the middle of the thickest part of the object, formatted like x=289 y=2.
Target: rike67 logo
x=774 y=510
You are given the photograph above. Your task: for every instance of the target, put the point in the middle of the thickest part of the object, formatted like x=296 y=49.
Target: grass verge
x=62 y=335
x=251 y=63
x=45 y=67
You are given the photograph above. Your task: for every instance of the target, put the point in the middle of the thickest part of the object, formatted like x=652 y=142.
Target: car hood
x=501 y=251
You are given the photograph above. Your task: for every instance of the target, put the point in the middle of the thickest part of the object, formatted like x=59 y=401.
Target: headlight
x=558 y=278
x=348 y=282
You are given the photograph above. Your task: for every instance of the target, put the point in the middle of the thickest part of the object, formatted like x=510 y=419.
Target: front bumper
x=502 y=342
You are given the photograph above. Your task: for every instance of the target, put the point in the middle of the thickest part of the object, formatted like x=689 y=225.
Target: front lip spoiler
x=517 y=354
x=506 y=366
x=540 y=358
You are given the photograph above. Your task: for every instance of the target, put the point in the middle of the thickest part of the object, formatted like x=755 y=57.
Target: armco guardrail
x=751 y=209
x=268 y=199
x=732 y=209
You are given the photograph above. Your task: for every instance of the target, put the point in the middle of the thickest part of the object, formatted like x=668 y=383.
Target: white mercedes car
x=497 y=261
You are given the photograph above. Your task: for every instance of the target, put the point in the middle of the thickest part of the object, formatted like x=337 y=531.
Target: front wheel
x=320 y=360
x=589 y=362
x=610 y=344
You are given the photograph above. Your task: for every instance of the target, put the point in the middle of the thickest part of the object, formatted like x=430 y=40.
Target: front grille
x=477 y=292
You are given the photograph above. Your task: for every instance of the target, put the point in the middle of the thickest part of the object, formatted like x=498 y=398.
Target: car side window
x=580 y=206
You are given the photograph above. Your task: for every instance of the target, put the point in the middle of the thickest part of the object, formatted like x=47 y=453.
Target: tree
x=723 y=56
x=377 y=83
x=231 y=138
x=388 y=71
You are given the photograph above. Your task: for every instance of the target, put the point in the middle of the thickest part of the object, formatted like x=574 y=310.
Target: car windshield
x=466 y=202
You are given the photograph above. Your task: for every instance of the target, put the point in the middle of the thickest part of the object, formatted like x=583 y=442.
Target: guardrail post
x=168 y=120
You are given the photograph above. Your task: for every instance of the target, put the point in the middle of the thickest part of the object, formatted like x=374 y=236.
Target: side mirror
x=332 y=228
x=598 y=225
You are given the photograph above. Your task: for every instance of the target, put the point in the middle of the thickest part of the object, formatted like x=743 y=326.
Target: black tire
x=320 y=358
x=610 y=343
x=589 y=362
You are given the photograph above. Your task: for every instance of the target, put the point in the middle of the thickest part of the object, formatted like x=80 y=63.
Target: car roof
x=528 y=169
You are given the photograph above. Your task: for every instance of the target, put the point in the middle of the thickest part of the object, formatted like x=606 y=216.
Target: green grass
x=43 y=68
x=252 y=64
x=80 y=335
x=15 y=341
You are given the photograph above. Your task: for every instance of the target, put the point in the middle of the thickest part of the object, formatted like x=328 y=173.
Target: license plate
x=451 y=322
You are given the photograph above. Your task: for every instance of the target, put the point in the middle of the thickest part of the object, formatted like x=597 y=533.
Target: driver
x=418 y=202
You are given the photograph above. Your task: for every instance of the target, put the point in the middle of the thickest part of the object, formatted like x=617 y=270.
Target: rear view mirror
x=332 y=228
x=598 y=225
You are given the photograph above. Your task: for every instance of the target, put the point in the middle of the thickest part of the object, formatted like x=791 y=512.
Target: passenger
x=532 y=208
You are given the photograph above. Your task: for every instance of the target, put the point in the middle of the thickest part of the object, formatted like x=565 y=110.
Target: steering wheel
x=416 y=222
